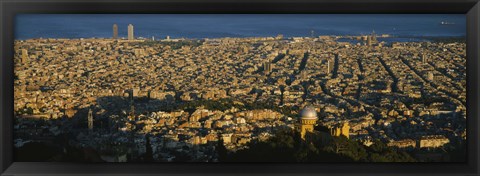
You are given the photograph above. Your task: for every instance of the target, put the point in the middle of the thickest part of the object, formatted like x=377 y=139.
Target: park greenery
x=226 y=104
x=287 y=146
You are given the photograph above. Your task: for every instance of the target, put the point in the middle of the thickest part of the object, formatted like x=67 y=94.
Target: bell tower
x=90 y=119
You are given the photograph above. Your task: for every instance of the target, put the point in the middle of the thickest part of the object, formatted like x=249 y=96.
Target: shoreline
x=430 y=38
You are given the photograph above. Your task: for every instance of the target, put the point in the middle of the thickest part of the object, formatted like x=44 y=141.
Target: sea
x=198 y=26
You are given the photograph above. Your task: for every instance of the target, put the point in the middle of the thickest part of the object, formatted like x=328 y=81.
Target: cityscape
x=311 y=98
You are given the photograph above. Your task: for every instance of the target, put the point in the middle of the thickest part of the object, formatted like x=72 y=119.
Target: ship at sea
x=446 y=23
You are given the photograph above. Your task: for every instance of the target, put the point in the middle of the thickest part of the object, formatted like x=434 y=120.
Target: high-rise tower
x=267 y=67
x=24 y=55
x=130 y=32
x=424 y=58
x=115 y=31
x=329 y=67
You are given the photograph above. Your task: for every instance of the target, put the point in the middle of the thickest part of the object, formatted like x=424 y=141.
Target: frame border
x=9 y=8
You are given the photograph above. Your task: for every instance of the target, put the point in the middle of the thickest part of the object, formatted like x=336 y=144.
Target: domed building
x=308 y=118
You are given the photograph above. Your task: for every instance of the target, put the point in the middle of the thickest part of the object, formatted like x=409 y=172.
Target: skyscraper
x=424 y=58
x=329 y=67
x=115 y=31
x=267 y=67
x=130 y=32
x=24 y=55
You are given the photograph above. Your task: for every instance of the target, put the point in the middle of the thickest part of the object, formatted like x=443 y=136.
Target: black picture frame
x=9 y=8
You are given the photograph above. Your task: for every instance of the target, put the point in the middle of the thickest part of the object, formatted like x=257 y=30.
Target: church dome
x=308 y=113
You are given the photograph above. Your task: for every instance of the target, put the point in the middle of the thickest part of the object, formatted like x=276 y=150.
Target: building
x=267 y=67
x=432 y=141
x=342 y=129
x=308 y=118
x=70 y=112
x=430 y=76
x=374 y=36
x=369 y=40
x=134 y=92
x=424 y=58
x=115 y=31
x=279 y=37
x=329 y=67
x=24 y=55
x=130 y=32
x=405 y=143
x=227 y=138
x=90 y=119
x=139 y=53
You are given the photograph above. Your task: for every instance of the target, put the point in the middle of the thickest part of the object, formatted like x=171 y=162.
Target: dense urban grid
x=140 y=99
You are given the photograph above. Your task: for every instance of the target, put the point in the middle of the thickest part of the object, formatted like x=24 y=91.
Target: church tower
x=90 y=119
x=307 y=121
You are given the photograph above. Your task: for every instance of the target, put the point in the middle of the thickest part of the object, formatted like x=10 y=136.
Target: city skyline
x=219 y=26
x=370 y=97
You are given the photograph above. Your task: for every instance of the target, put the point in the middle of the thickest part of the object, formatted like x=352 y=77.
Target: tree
x=221 y=151
x=287 y=146
x=148 y=157
x=379 y=152
x=36 y=152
